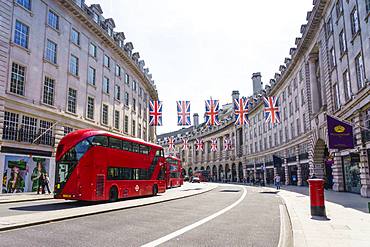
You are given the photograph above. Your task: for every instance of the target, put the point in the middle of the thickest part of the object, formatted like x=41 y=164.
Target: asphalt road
x=254 y=221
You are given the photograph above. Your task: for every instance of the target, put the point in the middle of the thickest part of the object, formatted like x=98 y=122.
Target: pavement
x=347 y=223
x=36 y=217
x=23 y=197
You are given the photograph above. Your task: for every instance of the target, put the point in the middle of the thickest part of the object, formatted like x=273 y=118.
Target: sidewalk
x=348 y=222
x=23 y=197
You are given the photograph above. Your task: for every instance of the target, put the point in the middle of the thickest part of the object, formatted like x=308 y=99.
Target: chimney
x=195 y=120
x=257 y=83
x=235 y=95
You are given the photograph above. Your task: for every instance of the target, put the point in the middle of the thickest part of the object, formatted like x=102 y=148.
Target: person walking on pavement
x=46 y=183
x=277 y=181
x=41 y=186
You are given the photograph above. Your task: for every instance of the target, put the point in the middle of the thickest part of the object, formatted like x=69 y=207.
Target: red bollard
x=317 y=197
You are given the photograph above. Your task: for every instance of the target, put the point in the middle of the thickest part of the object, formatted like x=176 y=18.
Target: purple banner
x=340 y=134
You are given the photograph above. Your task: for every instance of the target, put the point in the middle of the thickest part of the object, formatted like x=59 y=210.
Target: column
x=264 y=173
x=245 y=171
x=287 y=178
x=299 y=168
x=254 y=170
x=338 y=180
x=315 y=93
x=364 y=162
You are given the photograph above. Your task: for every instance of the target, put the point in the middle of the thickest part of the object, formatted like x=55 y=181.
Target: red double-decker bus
x=94 y=165
x=173 y=172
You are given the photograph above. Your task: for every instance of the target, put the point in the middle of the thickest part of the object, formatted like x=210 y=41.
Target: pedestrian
x=313 y=176
x=46 y=183
x=277 y=181
x=41 y=186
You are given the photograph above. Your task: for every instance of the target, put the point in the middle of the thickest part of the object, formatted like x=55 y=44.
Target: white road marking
x=282 y=227
x=194 y=225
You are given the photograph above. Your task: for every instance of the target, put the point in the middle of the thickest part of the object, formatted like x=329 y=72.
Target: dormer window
x=120 y=43
x=110 y=31
x=96 y=17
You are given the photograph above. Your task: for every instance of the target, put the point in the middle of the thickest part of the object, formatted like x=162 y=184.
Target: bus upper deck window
x=100 y=141
x=81 y=148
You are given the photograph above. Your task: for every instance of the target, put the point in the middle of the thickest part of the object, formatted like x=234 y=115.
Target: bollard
x=317 y=197
x=368 y=204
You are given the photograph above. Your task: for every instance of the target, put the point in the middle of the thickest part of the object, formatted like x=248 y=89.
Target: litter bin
x=317 y=198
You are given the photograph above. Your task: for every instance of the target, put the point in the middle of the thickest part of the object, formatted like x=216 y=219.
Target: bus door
x=162 y=177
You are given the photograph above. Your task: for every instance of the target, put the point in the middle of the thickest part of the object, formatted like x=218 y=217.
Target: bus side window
x=135 y=147
x=127 y=146
x=159 y=153
x=144 y=149
x=115 y=143
x=100 y=141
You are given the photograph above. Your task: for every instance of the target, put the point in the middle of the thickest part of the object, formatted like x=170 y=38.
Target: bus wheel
x=113 y=194
x=171 y=185
x=155 y=190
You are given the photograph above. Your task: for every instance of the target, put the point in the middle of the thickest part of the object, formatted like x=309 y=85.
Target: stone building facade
x=64 y=67
x=327 y=73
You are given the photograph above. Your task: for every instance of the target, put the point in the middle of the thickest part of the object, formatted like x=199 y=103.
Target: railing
x=28 y=136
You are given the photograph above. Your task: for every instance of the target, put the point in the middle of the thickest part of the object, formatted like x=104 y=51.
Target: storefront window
x=351 y=170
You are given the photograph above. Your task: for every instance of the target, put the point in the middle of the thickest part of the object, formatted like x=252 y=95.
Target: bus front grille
x=99 y=185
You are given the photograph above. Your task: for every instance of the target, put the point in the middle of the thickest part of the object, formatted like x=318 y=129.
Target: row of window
x=359 y=64
x=21 y=38
x=27 y=129
x=17 y=86
x=116 y=143
x=124 y=173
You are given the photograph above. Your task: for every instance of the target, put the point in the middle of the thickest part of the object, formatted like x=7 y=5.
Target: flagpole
x=43 y=133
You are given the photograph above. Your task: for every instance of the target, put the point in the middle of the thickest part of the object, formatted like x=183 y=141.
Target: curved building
x=327 y=72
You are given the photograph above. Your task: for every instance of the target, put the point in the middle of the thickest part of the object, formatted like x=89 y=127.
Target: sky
x=197 y=49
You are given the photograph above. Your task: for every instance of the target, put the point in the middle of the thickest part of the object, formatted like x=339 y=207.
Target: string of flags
x=212 y=111
x=199 y=144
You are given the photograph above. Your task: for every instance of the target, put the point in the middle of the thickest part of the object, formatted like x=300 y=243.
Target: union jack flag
x=212 y=110
x=171 y=143
x=272 y=113
x=241 y=111
x=214 y=145
x=185 y=145
x=227 y=144
x=183 y=113
x=199 y=144
x=155 y=113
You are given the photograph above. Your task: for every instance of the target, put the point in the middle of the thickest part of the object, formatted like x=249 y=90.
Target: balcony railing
x=28 y=136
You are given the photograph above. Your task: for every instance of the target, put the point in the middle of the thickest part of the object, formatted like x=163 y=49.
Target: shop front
x=270 y=175
x=21 y=172
x=305 y=173
x=293 y=174
x=351 y=172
